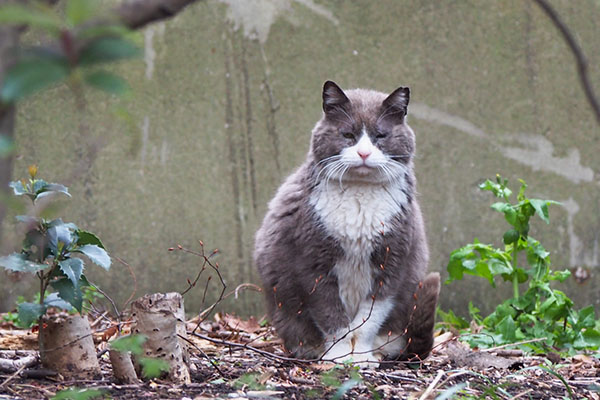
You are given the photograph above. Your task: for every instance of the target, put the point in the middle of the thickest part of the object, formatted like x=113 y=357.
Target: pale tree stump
x=122 y=366
x=67 y=346
x=161 y=318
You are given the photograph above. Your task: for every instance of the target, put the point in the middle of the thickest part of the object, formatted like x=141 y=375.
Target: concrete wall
x=227 y=93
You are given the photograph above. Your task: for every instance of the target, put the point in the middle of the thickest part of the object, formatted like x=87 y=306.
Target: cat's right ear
x=334 y=98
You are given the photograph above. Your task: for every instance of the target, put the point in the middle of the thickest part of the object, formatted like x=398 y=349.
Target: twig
x=582 y=65
x=10 y=378
x=134 y=281
x=215 y=366
x=491 y=349
x=432 y=385
x=522 y=394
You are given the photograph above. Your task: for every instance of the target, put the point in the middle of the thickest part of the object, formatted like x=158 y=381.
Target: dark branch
x=137 y=13
x=582 y=66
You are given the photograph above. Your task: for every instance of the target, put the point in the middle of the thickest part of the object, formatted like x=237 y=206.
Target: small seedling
x=49 y=250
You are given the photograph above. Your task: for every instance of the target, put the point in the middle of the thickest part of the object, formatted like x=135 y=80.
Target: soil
x=235 y=359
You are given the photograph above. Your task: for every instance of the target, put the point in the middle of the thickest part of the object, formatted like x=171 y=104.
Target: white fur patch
x=356 y=215
x=358 y=340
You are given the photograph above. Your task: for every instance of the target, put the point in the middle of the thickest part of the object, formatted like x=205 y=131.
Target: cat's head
x=363 y=135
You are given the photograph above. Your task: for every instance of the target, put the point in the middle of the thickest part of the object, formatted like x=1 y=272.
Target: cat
x=342 y=252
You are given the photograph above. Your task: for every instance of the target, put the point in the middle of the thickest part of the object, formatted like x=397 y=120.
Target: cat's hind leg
x=413 y=338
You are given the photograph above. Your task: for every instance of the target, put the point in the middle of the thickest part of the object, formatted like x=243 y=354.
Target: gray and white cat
x=342 y=251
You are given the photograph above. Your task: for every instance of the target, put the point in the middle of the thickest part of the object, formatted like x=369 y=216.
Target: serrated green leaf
x=53 y=300
x=37 y=17
x=97 y=254
x=30 y=312
x=30 y=76
x=108 y=49
x=107 y=82
x=18 y=263
x=69 y=292
x=541 y=209
x=72 y=268
x=130 y=343
x=85 y=237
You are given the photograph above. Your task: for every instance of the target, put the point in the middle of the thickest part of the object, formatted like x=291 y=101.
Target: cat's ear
x=334 y=98
x=396 y=104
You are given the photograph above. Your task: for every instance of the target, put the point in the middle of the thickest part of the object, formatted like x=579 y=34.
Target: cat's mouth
x=363 y=169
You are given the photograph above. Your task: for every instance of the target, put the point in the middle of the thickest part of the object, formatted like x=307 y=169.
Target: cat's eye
x=381 y=135
x=347 y=134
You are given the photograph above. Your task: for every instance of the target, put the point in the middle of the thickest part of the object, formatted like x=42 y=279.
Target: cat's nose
x=364 y=154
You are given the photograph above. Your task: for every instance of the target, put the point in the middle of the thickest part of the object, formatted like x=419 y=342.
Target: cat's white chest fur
x=356 y=215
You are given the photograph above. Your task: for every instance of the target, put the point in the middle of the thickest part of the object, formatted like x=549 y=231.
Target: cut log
x=161 y=318
x=67 y=347
x=122 y=367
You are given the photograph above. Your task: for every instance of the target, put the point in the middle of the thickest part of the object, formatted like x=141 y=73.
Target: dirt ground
x=234 y=358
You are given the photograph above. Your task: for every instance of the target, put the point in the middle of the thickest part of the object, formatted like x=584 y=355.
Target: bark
x=67 y=347
x=122 y=367
x=136 y=14
x=161 y=318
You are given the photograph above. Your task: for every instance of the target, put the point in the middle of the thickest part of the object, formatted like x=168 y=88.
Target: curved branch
x=582 y=66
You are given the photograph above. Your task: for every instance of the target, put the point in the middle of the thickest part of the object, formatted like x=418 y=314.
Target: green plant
x=541 y=312
x=78 y=394
x=336 y=379
x=81 y=48
x=48 y=251
x=151 y=367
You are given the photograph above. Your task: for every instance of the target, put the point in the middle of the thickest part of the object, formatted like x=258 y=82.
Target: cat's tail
x=420 y=328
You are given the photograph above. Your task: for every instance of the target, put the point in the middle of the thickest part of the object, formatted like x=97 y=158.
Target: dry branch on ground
x=248 y=361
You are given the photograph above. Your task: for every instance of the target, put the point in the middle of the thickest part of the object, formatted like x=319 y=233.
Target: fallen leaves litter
x=252 y=364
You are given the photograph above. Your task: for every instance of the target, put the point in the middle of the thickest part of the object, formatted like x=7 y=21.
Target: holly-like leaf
x=53 y=300
x=32 y=75
x=59 y=237
x=30 y=312
x=18 y=188
x=541 y=209
x=85 y=237
x=52 y=188
x=107 y=82
x=72 y=268
x=69 y=292
x=18 y=263
x=108 y=49
x=97 y=254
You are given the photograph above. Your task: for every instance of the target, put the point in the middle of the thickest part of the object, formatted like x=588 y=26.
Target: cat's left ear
x=396 y=104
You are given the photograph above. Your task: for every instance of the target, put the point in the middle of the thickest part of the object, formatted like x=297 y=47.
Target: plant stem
x=515 y=280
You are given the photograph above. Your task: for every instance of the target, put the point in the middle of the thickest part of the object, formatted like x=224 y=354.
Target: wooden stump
x=122 y=367
x=161 y=318
x=67 y=346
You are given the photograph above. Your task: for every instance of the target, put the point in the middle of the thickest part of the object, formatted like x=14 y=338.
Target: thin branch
x=136 y=14
x=582 y=65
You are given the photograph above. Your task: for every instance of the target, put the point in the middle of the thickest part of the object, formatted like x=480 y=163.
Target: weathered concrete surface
x=226 y=95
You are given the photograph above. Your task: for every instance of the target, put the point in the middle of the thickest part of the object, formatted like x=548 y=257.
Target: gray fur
x=295 y=253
